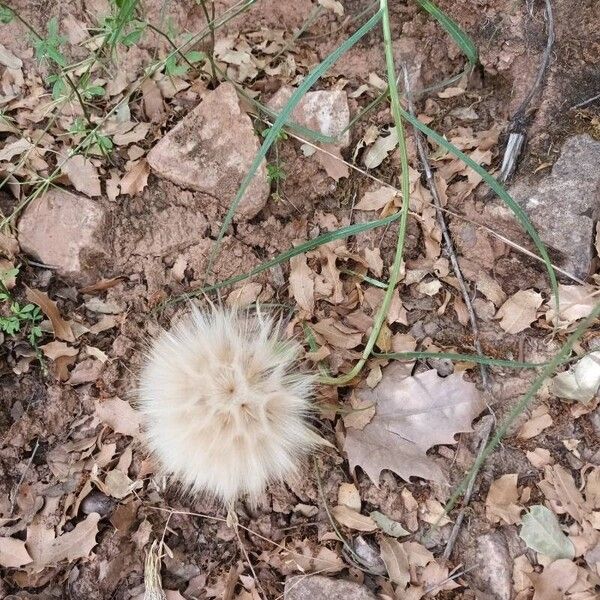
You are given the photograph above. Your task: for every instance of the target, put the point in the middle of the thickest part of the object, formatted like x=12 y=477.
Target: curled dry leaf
x=119 y=416
x=379 y=151
x=519 y=311
x=61 y=328
x=412 y=415
x=559 y=488
x=348 y=496
x=338 y=334
x=581 y=381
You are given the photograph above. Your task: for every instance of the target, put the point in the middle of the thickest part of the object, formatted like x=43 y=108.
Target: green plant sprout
x=20 y=318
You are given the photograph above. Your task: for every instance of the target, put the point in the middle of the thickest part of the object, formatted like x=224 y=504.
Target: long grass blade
x=273 y=132
x=463 y=41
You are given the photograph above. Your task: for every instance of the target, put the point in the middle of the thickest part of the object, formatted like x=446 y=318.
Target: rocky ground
x=119 y=236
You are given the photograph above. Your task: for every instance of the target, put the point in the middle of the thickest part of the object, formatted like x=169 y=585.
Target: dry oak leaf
x=136 y=178
x=376 y=199
x=501 y=502
x=540 y=420
x=62 y=330
x=119 y=416
x=338 y=334
x=13 y=553
x=412 y=415
x=519 y=311
x=46 y=549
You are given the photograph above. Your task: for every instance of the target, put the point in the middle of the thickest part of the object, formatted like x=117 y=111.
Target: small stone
x=62 y=230
x=326 y=112
x=97 y=502
x=565 y=205
x=211 y=150
x=495 y=581
x=318 y=587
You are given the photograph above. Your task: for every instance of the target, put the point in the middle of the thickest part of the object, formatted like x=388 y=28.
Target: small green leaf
x=387 y=525
x=134 y=36
x=195 y=56
x=6 y=15
x=541 y=532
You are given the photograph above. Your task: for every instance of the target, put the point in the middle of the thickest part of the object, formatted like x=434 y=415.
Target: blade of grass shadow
x=273 y=132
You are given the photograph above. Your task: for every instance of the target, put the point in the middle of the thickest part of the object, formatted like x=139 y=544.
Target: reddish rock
x=211 y=149
x=62 y=230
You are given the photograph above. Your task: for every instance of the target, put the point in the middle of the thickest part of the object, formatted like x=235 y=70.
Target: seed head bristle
x=225 y=411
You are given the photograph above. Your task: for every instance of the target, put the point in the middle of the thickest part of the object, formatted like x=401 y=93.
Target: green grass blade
x=273 y=132
x=325 y=238
x=497 y=187
x=463 y=41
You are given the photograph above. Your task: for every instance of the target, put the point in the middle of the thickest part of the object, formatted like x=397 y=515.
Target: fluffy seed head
x=225 y=413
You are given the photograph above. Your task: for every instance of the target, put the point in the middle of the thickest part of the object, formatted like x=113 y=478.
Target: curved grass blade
x=498 y=188
x=273 y=132
x=330 y=236
x=463 y=41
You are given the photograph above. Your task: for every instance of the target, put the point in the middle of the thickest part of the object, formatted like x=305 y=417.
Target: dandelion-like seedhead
x=225 y=412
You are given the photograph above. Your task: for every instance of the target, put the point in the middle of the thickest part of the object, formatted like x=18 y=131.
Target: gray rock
x=63 y=230
x=210 y=151
x=317 y=587
x=491 y=564
x=565 y=205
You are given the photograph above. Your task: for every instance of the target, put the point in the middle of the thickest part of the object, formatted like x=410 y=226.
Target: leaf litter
x=74 y=447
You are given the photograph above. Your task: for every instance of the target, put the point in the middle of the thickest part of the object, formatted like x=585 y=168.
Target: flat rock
x=317 y=587
x=326 y=112
x=62 y=230
x=565 y=205
x=210 y=151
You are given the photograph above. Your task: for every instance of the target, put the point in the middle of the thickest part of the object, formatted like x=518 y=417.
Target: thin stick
x=518 y=123
x=586 y=102
x=450 y=251
x=487 y=429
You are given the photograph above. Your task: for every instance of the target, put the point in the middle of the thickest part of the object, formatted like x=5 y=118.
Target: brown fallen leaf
x=87 y=371
x=61 y=328
x=519 y=311
x=302 y=283
x=338 y=334
x=575 y=301
x=119 y=416
x=540 y=420
x=154 y=107
x=394 y=556
x=136 y=178
x=47 y=550
x=559 y=488
x=555 y=581
x=501 y=502
x=82 y=174
x=102 y=285
x=412 y=415
x=376 y=199
x=352 y=519
x=56 y=349
x=13 y=553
